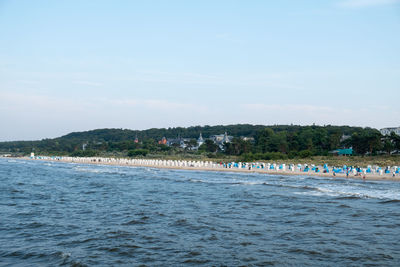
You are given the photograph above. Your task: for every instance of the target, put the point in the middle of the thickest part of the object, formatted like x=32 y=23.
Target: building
x=163 y=141
x=188 y=142
x=343 y=152
x=177 y=142
x=388 y=131
x=245 y=138
x=344 y=137
x=200 y=141
x=221 y=139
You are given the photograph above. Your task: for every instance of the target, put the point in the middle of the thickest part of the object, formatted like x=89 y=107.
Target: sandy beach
x=249 y=167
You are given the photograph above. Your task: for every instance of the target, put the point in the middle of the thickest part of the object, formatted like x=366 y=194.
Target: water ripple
x=60 y=214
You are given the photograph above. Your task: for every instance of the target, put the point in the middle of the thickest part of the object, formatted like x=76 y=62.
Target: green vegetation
x=138 y=152
x=279 y=142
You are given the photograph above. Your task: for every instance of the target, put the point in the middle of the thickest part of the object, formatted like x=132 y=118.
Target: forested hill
x=116 y=135
x=277 y=138
x=237 y=130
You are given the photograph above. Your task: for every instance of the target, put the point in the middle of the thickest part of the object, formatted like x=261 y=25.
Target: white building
x=200 y=140
x=388 y=131
x=221 y=139
x=245 y=138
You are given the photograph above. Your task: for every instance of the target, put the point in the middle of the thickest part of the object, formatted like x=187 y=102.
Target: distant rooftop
x=389 y=130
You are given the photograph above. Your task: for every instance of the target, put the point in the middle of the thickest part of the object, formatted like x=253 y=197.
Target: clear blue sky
x=79 y=65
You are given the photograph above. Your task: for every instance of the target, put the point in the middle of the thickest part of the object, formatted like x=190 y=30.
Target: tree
x=374 y=141
x=365 y=141
x=286 y=139
x=209 y=146
x=388 y=144
x=278 y=142
x=191 y=144
x=395 y=140
x=238 y=146
x=334 y=139
x=263 y=140
x=163 y=147
x=305 y=138
x=138 y=152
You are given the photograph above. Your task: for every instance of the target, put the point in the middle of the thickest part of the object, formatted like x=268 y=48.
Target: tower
x=200 y=140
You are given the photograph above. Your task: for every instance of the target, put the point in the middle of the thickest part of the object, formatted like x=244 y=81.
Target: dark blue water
x=75 y=215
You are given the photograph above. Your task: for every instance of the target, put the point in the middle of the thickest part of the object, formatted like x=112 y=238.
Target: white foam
x=97 y=169
x=353 y=191
x=65 y=255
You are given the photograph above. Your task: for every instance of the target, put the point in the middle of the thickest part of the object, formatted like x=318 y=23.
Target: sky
x=75 y=65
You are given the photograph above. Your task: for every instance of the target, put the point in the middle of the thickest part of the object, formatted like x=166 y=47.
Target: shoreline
x=212 y=166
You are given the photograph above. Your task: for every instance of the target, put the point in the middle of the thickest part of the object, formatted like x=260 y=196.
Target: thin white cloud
x=16 y=101
x=37 y=116
x=34 y=116
x=366 y=3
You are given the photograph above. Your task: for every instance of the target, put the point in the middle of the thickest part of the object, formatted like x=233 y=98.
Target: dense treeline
x=269 y=142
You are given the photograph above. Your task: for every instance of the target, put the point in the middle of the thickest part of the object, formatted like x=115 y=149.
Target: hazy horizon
x=81 y=65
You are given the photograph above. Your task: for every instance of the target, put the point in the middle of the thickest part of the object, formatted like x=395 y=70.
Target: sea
x=68 y=214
